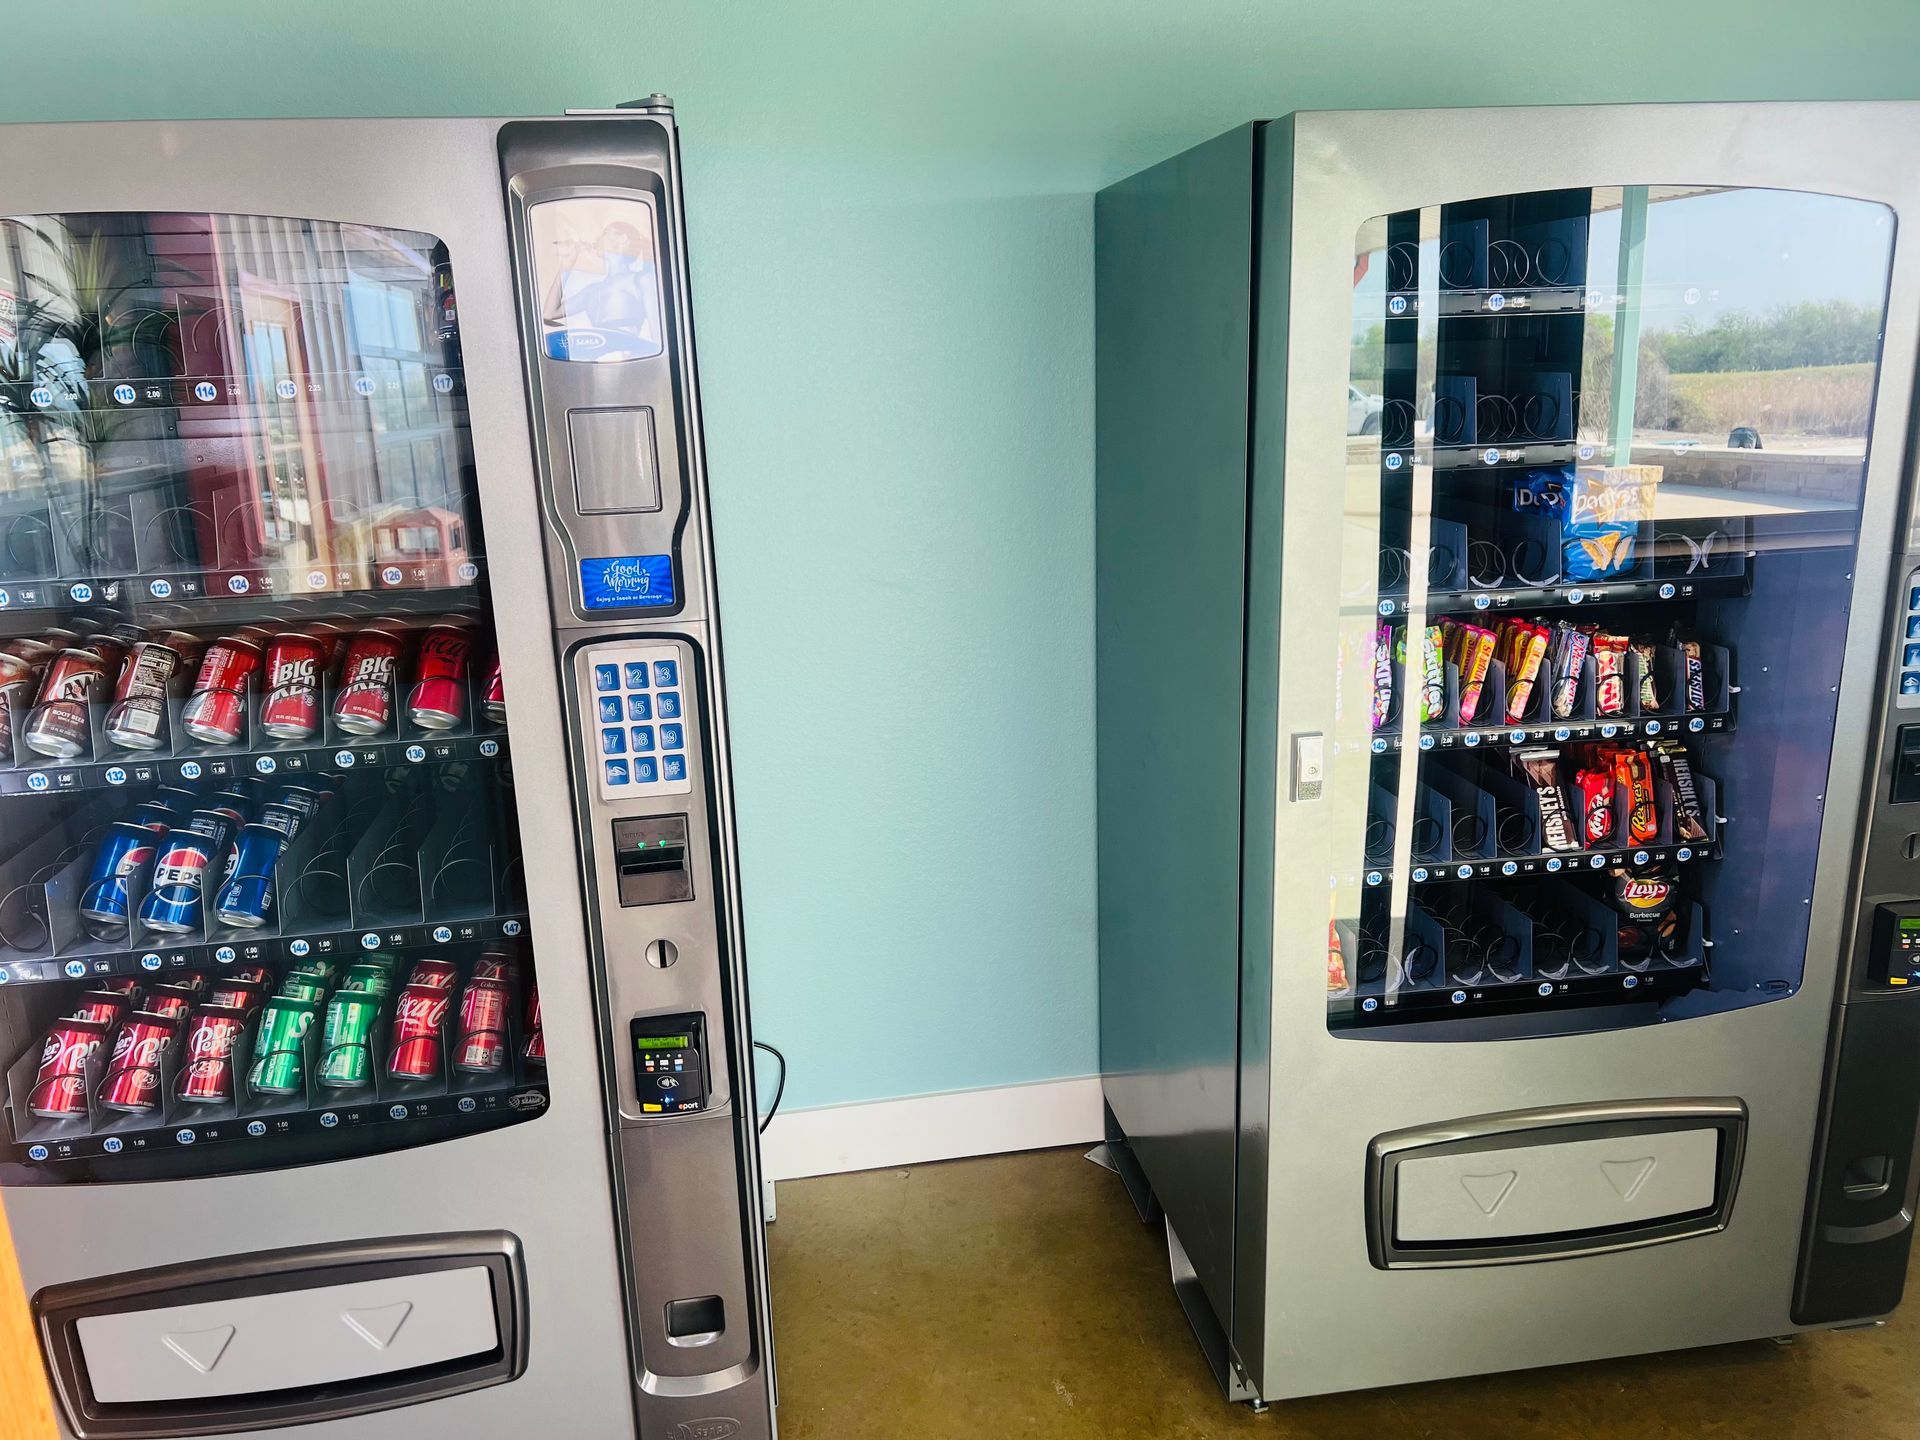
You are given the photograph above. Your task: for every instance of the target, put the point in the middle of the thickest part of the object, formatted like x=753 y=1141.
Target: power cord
x=780 y=1087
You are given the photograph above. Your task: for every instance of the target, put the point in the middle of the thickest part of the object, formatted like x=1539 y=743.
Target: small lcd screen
x=1909 y=925
x=662 y=1042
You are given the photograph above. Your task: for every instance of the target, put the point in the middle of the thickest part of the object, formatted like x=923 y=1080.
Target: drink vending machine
x=372 y=1004
x=1525 y=967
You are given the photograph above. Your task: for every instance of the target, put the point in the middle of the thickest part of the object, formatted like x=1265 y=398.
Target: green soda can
x=369 y=978
x=347 y=1042
x=279 y=1063
x=304 y=985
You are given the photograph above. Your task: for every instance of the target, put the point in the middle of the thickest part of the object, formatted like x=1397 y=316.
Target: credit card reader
x=669 y=1065
x=1893 y=961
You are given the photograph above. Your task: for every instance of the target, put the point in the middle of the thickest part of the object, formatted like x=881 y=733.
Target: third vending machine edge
x=1528 y=733
x=293 y=1134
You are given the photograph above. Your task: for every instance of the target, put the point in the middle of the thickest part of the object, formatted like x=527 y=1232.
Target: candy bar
x=1649 y=691
x=1595 y=789
x=1635 y=775
x=1569 y=655
x=1689 y=824
x=1542 y=771
x=1433 y=676
x=1476 y=654
x=1382 y=674
x=1609 y=668
x=1696 y=675
x=1524 y=668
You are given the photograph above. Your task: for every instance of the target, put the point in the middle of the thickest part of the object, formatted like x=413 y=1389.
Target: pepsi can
x=252 y=787
x=154 y=815
x=217 y=825
x=124 y=851
x=284 y=818
x=177 y=798
x=303 y=798
x=173 y=904
x=234 y=800
x=246 y=898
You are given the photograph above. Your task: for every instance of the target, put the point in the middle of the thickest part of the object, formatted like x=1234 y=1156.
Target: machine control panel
x=1893 y=961
x=636 y=721
x=1908 y=619
x=669 y=1069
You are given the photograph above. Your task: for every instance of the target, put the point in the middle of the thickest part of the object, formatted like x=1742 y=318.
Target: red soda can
x=216 y=711
x=433 y=974
x=494 y=705
x=108 y=1005
x=110 y=648
x=58 y=726
x=137 y=718
x=364 y=705
x=231 y=993
x=496 y=963
x=417 y=1017
x=206 y=1076
x=132 y=1081
x=121 y=985
x=291 y=707
x=253 y=975
x=481 y=1045
x=16 y=696
x=35 y=652
x=193 y=980
x=438 y=700
x=172 y=1002
x=60 y=1084
x=536 y=1051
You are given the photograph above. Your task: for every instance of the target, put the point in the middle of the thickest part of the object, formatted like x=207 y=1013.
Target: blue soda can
x=235 y=800
x=303 y=798
x=217 y=825
x=173 y=904
x=177 y=798
x=246 y=899
x=155 y=815
x=251 y=786
x=124 y=851
x=284 y=818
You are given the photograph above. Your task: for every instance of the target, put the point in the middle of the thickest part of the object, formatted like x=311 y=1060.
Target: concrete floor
x=1018 y=1296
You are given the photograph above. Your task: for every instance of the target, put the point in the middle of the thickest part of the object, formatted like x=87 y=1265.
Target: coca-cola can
x=173 y=1002
x=58 y=727
x=206 y=1073
x=216 y=711
x=294 y=666
x=433 y=974
x=417 y=1017
x=364 y=705
x=480 y=1047
x=438 y=700
x=60 y=1084
x=496 y=962
x=536 y=1051
x=132 y=1081
x=16 y=696
x=113 y=1006
x=494 y=691
x=137 y=718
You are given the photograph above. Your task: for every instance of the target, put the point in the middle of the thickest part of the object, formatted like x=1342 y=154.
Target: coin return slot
x=650 y=855
x=696 y=1322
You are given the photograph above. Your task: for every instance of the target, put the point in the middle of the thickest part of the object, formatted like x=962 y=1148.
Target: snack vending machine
x=1522 y=968
x=372 y=1003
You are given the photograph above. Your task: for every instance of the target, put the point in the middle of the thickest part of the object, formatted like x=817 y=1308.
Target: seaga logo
x=720 y=1427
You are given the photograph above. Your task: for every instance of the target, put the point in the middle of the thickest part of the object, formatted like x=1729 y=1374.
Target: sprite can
x=347 y=1041
x=279 y=1059
x=304 y=984
x=369 y=978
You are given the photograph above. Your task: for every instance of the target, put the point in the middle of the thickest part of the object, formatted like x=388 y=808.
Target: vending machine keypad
x=637 y=721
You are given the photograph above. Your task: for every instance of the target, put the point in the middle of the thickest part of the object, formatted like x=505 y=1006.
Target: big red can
x=417 y=1017
x=109 y=1005
x=216 y=711
x=60 y=1084
x=364 y=705
x=206 y=1074
x=433 y=974
x=438 y=700
x=494 y=705
x=480 y=1047
x=58 y=726
x=137 y=718
x=132 y=1081
x=292 y=673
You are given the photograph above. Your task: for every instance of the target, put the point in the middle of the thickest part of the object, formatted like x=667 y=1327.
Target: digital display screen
x=597 y=265
x=1910 y=925
x=662 y=1042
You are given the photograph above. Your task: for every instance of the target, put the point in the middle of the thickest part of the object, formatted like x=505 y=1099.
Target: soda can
x=290 y=709
x=194 y=982
x=137 y=718
x=140 y=1048
x=60 y=1084
x=346 y=1044
x=232 y=804
x=154 y=815
x=177 y=798
x=173 y=905
x=319 y=965
x=497 y=962
x=536 y=1051
x=124 y=851
x=494 y=702
x=218 y=826
x=250 y=788
x=16 y=695
x=283 y=818
x=232 y=993
x=252 y=974
x=438 y=700
x=246 y=898
x=368 y=979
x=216 y=711
x=128 y=633
x=417 y=1017
x=175 y=1002
x=110 y=648
x=433 y=974
x=206 y=1072
x=307 y=799
x=480 y=1047
x=120 y=985
x=364 y=705
x=304 y=985
x=109 y=1005
x=279 y=1059
x=58 y=726
x=35 y=652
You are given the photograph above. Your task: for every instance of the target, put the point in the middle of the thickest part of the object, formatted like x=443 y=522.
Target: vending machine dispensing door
x=346 y=896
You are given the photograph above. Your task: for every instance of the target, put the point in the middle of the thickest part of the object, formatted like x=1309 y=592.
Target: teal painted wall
x=891 y=220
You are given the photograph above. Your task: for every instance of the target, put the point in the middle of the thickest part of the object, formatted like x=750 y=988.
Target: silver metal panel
x=1550 y=1189
x=545 y=1182
x=327 y=1335
x=1328 y=1094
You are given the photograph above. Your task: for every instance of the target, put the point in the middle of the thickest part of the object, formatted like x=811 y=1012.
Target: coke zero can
x=206 y=1076
x=438 y=700
x=58 y=727
x=216 y=711
x=494 y=705
x=140 y=1048
x=292 y=673
x=60 y=1084
x=417 y=1017
x=364 y=705
x=108 y=1005
x=137 y=718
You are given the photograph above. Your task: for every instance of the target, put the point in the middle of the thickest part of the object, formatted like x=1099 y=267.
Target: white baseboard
x=875 y=1134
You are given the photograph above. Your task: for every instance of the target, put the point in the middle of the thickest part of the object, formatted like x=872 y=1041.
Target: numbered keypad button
x=668 y=706
x=639 y=707
x=672 y=737
x=642 y=737
x=637 y=675
x=606 y=677
x=617 y=771
x=666 y=673
x=613 y=742
x=644 y=772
